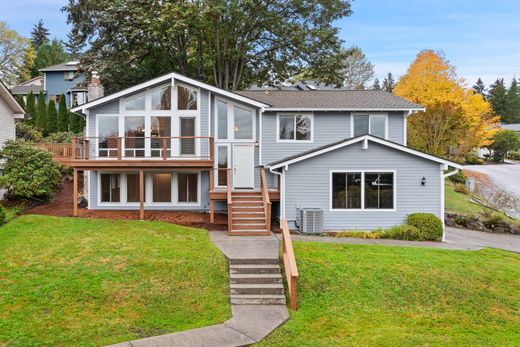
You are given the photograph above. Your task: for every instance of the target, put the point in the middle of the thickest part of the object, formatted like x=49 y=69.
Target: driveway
x=504 y=176
x=468 y=238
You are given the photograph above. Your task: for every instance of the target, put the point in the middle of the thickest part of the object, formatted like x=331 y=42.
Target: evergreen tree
x=76 y=123
x=20 y=100
x=480 y=88
x=63 y=115
x=498 y=99
x=513 y=103
x=376 y=85
x=50 y=53
x=39 y=35
x=52 y=117
x=41 y=112
x=389 y=83
x=29 y=107
x=74 y=44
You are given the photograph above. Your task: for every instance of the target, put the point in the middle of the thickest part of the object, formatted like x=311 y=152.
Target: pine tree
x=480 y=88
x=498 y=99
x=39 y=35
x=52 y=117
x=74 y=44
x=63 y=115
x=376 y=85
x=513 y=103
x=20 y=100
x=389 y=83
x=30 y=108
x=41 y=113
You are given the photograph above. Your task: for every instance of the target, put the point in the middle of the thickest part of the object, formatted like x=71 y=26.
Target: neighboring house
x=10 y=110
x=63 y=79
x=177 y=144
x=515 y=127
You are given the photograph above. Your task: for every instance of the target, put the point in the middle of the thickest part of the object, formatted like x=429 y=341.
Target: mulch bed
x=61 y=206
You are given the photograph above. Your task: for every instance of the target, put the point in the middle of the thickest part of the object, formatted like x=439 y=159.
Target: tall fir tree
x=52 y=117
x=389 y=83
x=497 y=96
x=63 y=115
x=376 y=85
x=30 y=107
x=513 y=103
x=21 y=101
x=39 y=35
x=480 y=88
x=74 y=44
x=49 y=53
x=41 y=113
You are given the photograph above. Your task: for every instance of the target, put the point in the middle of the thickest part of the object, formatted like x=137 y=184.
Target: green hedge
x=429 y=227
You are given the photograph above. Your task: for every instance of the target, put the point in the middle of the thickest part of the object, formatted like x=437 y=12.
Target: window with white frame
x=135 y=103
x=234 y=122
x=110 y=187
x=186 y=98
x=295 y=127
x=187 y=187
x=222 y=165
x=162 y=98
x=162 y=187
x=373 y=124
x=243 y=123
x=133 y=188
x=222 y=120
x=362 y=190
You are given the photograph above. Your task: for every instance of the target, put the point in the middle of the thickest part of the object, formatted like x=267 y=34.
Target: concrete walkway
x=457 y=239
x=249 y=323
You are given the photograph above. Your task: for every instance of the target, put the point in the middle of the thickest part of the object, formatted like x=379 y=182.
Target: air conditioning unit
x=310 y=220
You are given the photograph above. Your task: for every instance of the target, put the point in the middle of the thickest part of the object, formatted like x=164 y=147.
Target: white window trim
x=310 y=115
x=370 y=114
x=231 y=122
x=363 y=209
x=148 y=199
x=215 y=164
x=96 y=140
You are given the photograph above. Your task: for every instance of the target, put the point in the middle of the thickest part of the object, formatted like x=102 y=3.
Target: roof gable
x=349 y=141
x=6 y=95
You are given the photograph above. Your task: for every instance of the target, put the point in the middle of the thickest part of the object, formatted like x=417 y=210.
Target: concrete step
x=256 y=288
x=255 y=278
x=254 y=269
x=258 y=261
x=250 y=232
x=247 y=299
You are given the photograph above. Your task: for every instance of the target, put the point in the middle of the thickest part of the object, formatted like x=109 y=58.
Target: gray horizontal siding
x=204 y=206
x=308 y=185
x=396 y=127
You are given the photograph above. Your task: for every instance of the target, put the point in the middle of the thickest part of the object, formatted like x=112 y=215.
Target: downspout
x=282 y=193
x=446 y=175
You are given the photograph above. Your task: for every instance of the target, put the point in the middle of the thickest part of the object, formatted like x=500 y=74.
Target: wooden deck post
x=74 y=145
x=211 y=201
x=75 y=193
x=141 y=194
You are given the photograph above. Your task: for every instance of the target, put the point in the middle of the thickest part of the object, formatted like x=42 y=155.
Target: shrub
x=29 y=173
x=376 y=234
x=28 y=132
x=3 y=215
x=60 y=137
x=492 y=220
x=401 y=232
x=514 y=155
x=461 y=220
x=461 y=188
x=458 y=178
x=472 y=160
x=429 y=227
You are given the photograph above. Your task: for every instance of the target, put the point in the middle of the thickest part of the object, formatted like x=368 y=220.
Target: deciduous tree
x=13 y=47
x=454 y=116
x=228 y=43
x=358 y=70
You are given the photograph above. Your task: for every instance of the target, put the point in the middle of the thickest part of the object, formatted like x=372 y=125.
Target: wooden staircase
x=248 y=214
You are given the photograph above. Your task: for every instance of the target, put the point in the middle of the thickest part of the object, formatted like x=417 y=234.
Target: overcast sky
x=480 y=37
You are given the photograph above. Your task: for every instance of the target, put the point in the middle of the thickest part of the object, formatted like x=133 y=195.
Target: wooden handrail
x=265 y=198
x=289 y=261
x=229 y=202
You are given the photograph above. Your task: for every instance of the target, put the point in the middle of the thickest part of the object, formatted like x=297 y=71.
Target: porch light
x=423 y=181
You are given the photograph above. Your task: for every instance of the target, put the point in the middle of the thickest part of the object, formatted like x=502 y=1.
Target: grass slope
x=459 y=203
x=399 y=296
x=70 y=281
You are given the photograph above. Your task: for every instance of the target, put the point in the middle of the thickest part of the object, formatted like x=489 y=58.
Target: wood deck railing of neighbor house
x=158 y=148
x=266 y=199
x=61 y=152
x=289 y=261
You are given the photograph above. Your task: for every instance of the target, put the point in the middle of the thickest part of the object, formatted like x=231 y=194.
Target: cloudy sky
x=480 y=37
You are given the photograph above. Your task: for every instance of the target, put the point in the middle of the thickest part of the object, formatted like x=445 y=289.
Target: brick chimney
x=95 y=89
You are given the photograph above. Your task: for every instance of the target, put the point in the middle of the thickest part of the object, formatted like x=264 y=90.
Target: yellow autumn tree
x=455 y=116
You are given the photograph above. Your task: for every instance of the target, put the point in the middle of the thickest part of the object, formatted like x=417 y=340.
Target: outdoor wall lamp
x=423 y=181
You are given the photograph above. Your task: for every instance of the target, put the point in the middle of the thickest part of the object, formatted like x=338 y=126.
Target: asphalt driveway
x=468 y=238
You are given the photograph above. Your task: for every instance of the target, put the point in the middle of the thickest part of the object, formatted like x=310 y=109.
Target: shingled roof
x=330 y=100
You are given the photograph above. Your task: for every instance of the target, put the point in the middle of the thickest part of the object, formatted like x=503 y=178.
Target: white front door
x=243 y=166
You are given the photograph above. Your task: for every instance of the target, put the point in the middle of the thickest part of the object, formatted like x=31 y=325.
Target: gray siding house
x=174 y=143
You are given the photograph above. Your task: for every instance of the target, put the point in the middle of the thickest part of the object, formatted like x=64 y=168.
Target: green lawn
x=366 y=295
x=71 y=281
x=458 y=202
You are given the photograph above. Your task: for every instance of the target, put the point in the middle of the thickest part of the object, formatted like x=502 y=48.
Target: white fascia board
x=311 y=109
x=164 y=78
x=444 y=162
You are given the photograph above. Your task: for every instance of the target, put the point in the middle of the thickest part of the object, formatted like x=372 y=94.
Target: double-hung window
x=363 y=190
x=295 y=127
x=373 y=124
